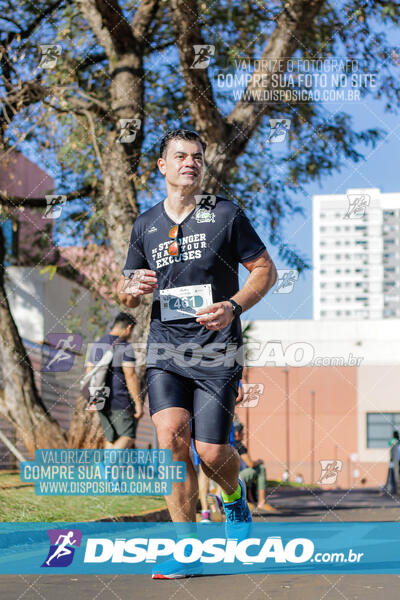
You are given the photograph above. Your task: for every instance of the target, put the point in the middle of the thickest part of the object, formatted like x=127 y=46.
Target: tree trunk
x=120 y=204
x=21 y=404
x=85 y=430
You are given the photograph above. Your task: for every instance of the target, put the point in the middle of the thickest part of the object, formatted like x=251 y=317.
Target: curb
x=31 y=536
x=160 y=515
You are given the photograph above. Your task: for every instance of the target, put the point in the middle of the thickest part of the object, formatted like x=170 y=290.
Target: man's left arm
x=132 y=383
x=262 y=276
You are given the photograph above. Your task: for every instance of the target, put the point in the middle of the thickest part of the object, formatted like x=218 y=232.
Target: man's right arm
x=136 y=279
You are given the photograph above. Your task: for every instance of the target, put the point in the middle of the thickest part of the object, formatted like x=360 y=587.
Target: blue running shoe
x=173 y=569
x=238 y=517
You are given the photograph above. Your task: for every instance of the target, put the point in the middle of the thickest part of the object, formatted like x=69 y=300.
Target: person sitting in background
x=252 y=471
x=285 y=476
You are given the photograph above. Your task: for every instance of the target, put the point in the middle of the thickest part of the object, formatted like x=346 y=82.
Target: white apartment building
x=356 y=255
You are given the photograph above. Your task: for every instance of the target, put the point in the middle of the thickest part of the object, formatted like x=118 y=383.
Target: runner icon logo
x=330 y=470
x=61 y=551
x=63 y=347
x=203 y=54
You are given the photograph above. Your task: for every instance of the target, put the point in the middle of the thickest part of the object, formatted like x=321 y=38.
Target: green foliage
x=268 y=183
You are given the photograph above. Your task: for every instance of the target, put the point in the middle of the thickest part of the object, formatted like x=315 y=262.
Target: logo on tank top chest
x=204 y=206
x=203 y=215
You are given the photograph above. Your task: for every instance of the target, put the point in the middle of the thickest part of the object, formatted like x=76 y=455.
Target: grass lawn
x=22 y=504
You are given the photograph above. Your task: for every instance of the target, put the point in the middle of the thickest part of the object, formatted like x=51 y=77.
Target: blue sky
x=377 y=170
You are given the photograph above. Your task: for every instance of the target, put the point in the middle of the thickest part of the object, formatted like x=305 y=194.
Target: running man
x=62 y=549
x=186 y=250
x=64 y=349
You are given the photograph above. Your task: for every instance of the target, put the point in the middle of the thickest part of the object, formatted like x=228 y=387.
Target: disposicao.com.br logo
x=189 y=550
x=135 y=547
x=213 y=550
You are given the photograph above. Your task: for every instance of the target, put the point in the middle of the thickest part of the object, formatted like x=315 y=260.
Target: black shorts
x=211 y=402
x=118 y=423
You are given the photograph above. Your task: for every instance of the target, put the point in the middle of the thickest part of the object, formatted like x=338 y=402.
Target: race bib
x=184 y=302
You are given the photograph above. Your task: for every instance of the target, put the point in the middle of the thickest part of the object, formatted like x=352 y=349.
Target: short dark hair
x=180 y=134
x=238 y=427
x=125 y=319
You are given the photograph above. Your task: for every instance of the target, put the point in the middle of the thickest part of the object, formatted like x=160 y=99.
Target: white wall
x=374 y=341
x=24 y=287
x=40 y=305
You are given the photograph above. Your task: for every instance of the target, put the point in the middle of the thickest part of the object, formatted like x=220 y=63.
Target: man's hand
x=143 y=281
x=216 y=316
x=130 y=290
x=138 y=410
x=240 y=396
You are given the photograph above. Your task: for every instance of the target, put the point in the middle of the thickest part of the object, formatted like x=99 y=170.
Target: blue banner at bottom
x=120 y=548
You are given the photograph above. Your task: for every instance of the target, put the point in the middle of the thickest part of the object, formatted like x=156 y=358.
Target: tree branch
x=30 y=92
x=24 y=34
x=41 y=202
x=291 y=25
x=108 y=23
x=79 y=107
x=124 y=46
x=208 y=119
x=142 y=20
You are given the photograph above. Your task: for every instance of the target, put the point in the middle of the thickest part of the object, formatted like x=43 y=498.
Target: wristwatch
x=237 y=309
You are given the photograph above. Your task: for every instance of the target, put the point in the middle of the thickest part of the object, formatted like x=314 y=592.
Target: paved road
x=337 y=505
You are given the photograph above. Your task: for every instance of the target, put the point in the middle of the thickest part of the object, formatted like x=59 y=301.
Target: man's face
x=183 y=165
x=127 y=332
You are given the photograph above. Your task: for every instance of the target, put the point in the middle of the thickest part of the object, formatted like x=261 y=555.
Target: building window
x=380 y=427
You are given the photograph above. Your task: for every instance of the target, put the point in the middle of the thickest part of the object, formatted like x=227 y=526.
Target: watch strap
x=237 y=309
